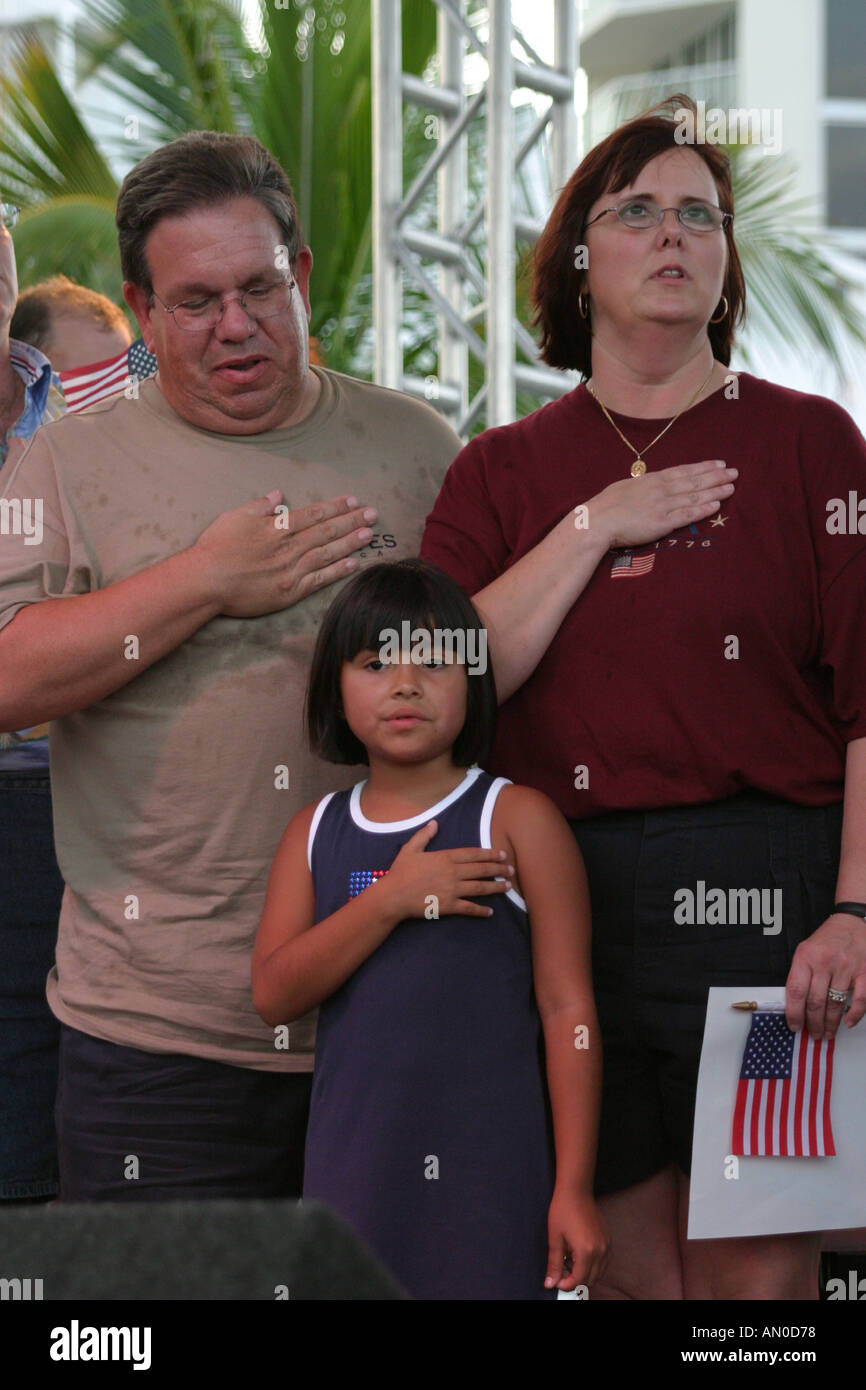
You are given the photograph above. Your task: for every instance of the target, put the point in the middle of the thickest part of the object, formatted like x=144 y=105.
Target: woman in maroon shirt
x=679 y=650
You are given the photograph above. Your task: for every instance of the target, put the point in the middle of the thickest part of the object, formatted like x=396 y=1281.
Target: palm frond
x=46 y=149
x=795 y=293
x=179 y=62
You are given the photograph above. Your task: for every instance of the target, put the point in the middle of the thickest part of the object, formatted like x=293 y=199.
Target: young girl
x=403 y=908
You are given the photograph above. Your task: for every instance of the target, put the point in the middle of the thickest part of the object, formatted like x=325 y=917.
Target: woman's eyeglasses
x=9 y=215
x=695 y=217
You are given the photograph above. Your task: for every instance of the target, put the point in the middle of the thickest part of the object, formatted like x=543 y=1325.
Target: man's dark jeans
x=30 y=892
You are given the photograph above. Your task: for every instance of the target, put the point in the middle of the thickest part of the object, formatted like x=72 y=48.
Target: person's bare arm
x=554 y=885
x=834 y=956
x=64 y=654
x=522 y=610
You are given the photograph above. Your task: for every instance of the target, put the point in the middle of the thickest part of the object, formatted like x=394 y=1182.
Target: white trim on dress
x=385 y=827
x=486 y=823
x=314 y=825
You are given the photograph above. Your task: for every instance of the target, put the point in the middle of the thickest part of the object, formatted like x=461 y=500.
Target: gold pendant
x=638 y=468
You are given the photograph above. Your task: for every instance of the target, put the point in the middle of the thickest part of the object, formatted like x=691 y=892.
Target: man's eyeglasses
x=695 y=217
x=261 y=302
x=9 y=215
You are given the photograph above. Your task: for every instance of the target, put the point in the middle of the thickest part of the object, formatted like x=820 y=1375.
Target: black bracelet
x=854 y=909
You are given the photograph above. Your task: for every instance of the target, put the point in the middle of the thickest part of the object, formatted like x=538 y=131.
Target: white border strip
x=385 y=827
x=486 y=823
x=314 y=825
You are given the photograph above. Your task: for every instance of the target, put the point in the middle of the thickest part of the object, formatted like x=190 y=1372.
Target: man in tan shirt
x=185 y=537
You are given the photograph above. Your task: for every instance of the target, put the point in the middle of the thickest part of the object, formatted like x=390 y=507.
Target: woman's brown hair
x=566 y=337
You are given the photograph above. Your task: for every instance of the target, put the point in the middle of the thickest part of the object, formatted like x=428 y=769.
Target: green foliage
x=75 y=235
x=178 y=64
x=175 y=65
x=52 y=168
x=46 y=151
x=312 y=107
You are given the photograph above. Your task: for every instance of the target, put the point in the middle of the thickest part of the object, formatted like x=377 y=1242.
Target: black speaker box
x=238 y=1250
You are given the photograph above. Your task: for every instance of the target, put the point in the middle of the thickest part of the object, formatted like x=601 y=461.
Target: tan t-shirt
x=168 y=795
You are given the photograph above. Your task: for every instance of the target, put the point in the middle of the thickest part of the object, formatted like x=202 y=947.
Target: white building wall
x=780 y=65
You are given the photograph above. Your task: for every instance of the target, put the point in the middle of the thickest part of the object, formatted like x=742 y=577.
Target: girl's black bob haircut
x=383 y=597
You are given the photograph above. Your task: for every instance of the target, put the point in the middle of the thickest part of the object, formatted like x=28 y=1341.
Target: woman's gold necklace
x=639 y=467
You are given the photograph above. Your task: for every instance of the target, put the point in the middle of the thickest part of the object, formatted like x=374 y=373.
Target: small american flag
x=783 y=1097
x=83 y=386
x=359 y=879
x=627 y=566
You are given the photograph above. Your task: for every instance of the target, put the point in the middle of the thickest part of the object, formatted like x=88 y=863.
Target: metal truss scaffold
x=443 y=262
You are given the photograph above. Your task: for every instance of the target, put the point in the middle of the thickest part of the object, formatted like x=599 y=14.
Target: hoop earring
x=582 y=305
x=724 y=312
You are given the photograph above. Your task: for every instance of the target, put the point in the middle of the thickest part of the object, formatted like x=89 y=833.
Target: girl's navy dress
x=429 y=1128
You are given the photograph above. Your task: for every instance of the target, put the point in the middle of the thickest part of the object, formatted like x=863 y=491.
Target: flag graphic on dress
x=627 y=566
x=83 y=386
x=783 y=1097
x=359 y=879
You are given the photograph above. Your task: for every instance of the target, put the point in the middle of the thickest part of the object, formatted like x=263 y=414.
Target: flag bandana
x=782 y=1108
x=83 y=386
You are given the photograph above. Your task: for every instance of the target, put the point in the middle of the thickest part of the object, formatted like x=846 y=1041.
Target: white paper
x=773 y=1195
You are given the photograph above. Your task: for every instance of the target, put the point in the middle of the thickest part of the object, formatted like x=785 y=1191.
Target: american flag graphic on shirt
x=627 y=566
x=83 y=386
x=359 y=879
x=783 y=1097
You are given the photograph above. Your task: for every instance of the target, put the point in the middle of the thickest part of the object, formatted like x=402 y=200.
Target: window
x=846 y=49
x=846 y=176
